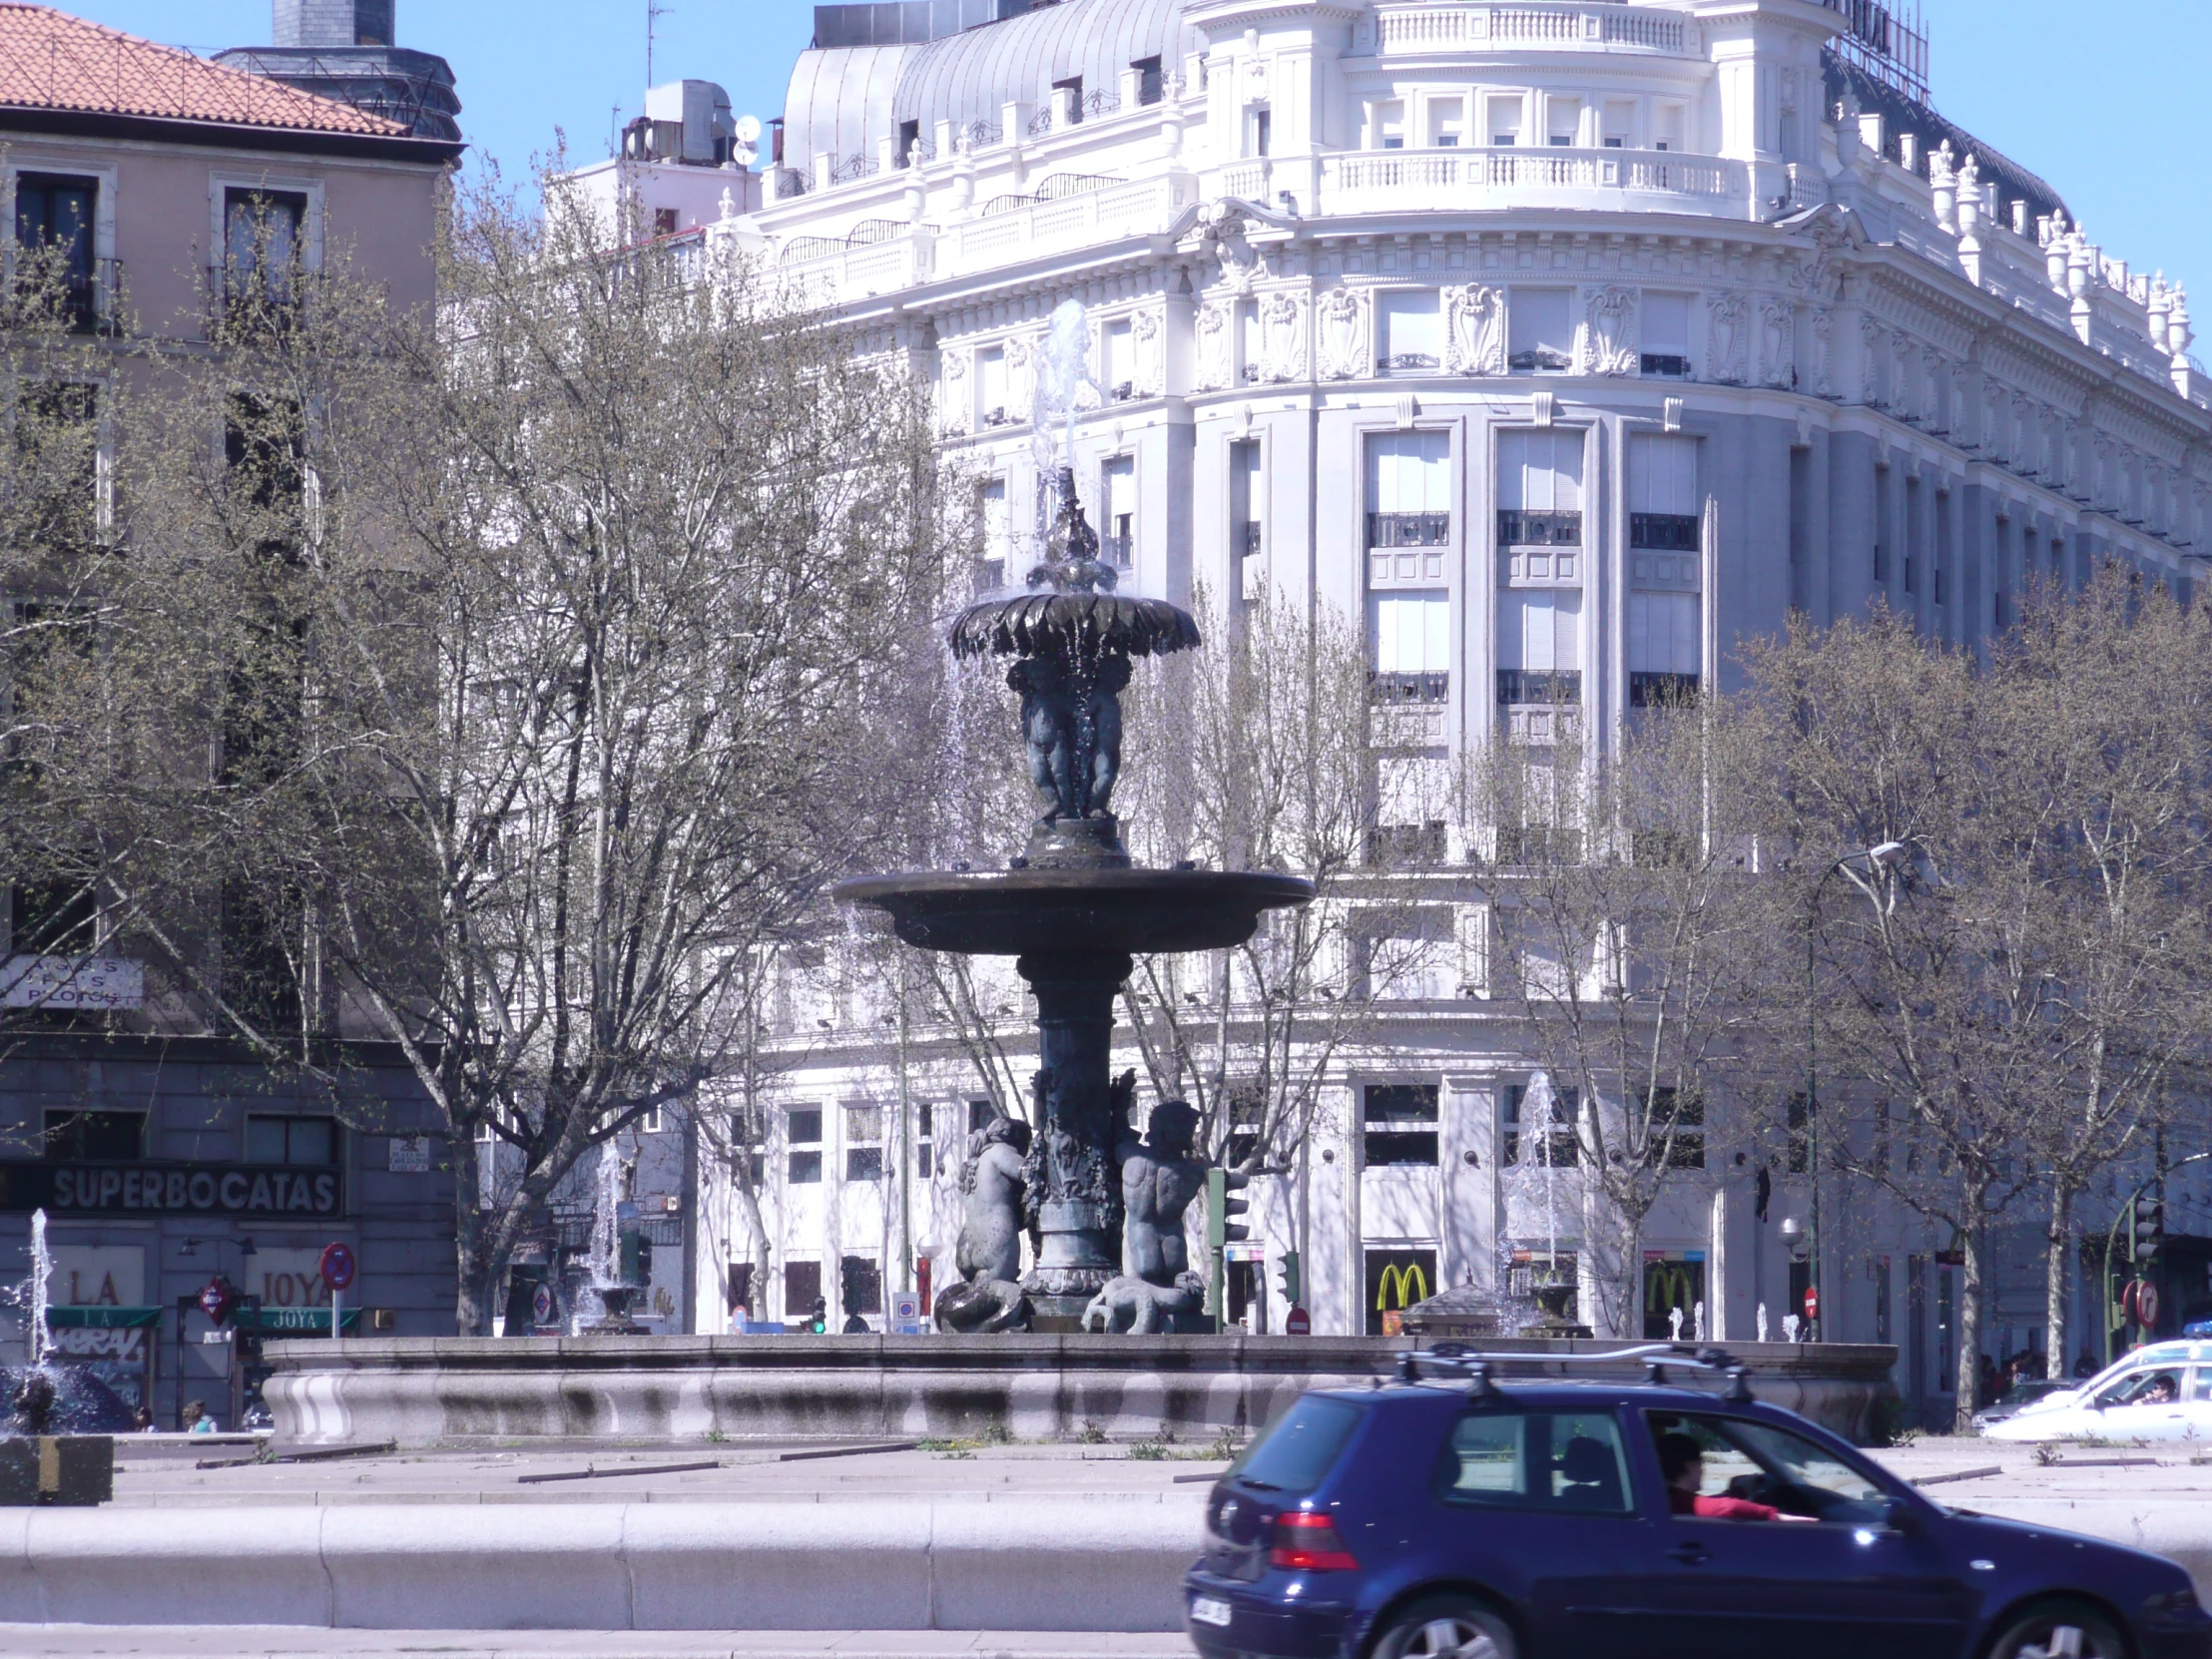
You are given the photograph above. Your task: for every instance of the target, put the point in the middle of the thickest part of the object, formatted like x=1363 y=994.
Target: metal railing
x=1663 y=532
x=1520 y=527
x=1661 y=691
x=1555 y=687
x=1389 y=685
x=1409 y=529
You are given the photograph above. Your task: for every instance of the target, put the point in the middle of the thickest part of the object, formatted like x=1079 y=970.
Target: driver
x=1682 y=1461
x=2159 y=1391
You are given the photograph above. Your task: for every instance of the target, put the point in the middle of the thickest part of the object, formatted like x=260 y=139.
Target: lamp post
x=1882 y=856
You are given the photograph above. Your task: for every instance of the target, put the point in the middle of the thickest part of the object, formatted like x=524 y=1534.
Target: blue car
x=1453 y=1516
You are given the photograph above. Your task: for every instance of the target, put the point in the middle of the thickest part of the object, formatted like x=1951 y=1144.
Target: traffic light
x=1219 y=1207
x=819 y=1320
x=1291 y=1284
x=2149 y=1226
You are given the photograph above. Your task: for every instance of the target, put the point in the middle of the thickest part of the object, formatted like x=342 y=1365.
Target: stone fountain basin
x=1019 y=912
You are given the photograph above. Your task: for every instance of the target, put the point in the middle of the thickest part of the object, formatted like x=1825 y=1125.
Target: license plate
x=1207 y=1610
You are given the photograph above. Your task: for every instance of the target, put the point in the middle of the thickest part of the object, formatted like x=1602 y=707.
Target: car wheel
x=2059 y=1630
x=1455 y=1627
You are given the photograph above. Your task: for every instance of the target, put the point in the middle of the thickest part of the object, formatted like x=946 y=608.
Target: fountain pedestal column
x=1074 y=1184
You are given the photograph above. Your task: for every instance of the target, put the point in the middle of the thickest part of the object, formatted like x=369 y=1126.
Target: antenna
x=654 y=12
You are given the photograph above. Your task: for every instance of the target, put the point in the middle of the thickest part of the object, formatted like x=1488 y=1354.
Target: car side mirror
x=1901 y=1517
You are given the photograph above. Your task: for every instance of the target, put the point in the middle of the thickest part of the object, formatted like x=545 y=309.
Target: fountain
x=1071 y=908
x=607 y=1282
x=57 y=1445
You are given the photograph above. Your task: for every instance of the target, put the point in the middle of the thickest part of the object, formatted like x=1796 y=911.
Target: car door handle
x=1689 y=1554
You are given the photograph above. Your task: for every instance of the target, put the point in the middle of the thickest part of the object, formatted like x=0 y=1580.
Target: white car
x=2159 y=1392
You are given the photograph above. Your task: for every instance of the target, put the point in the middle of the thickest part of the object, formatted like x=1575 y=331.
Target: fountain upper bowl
x=1019 y=913
x=1031 y=622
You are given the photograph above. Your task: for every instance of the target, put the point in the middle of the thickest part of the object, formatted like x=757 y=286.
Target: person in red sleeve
x=1682 y=1461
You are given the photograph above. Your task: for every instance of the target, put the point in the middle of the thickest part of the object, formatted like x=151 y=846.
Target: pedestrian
x=2085 y=1367
x=142 y=1422
x=196 y=1418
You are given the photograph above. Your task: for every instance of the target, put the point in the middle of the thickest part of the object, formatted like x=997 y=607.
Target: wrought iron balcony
x=1518 y=527
x=1553 y=686
x=1663 y=532
x=1397 y=686
x=1409 y=529
x=1658 y=691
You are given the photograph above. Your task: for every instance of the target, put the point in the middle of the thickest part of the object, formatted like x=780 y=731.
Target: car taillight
x=1307 y=1542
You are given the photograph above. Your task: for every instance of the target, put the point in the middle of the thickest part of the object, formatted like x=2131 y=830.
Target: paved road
x=85 y=1642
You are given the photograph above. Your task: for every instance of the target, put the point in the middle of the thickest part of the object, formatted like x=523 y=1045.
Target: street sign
x=215 y=1300
x=541 y=1306
x=1811 y=1303
x=2146 y=1304
x=1298 y=1323
x=337 y=1266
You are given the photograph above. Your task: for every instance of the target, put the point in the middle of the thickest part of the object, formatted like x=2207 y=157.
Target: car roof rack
x=1457 y=1359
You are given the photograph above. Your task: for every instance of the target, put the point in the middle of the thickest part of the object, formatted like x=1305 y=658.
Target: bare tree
x=2098 y=709
x=1627 y=941
x=1262 y=753
x=547 y=648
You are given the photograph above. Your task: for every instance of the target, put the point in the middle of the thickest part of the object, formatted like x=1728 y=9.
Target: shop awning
x=110 y=1318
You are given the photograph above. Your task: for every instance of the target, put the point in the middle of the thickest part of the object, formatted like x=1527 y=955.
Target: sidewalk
x=83 y=1641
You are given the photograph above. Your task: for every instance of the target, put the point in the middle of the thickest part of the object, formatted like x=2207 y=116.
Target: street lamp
x=1882 y=857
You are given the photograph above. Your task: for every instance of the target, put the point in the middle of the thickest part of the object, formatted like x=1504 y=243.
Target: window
x=57 y=920
x=864 y=1143
x=1539 y=646
x=1447 y=119
x=1557 y=1146
x=801 y=1289
x=1073 y=87
x=1386 y=124
x=991 y=388
x=1684 y=1121
x=1301 y=1446
x=1118 y=510
x=1508 y=1460
x=909 y=135
x=1258 y=131
x=94 y=1137
x=979 y=1115
x=926 y=1119
x=802 y=1128
x=1408 y=332
x=1118 y=360
x=1410 y=641
x=1399 y=1124
x=996 y=522
x=1664 y=651
x=1248 y=513
x=1666 y=328
x=265 y=445
x=53 y=217
x=1766 y=1464
x=1619 y=124
x=1408 y=504
x=1505 y=121
x=1151 y=87
x=1662 y=504
x=286 y=1140
x=1563 y=122
x=1668 y=127
x=57 y=465
x=1539 y=330
x=264 y=244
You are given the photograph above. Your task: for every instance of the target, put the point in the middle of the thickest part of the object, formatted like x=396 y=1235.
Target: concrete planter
x=417 y=1390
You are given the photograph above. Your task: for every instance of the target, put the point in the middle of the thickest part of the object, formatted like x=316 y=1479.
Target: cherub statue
x=988 y=1254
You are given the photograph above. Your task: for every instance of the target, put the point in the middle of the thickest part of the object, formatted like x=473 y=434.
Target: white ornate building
x=1568 y=341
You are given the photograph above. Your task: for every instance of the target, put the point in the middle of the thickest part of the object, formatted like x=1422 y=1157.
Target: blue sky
x=2106 y=101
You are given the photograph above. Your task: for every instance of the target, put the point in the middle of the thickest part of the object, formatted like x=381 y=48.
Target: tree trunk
x=2054 y=1280
x=1969 y=1331
x=472 y=1308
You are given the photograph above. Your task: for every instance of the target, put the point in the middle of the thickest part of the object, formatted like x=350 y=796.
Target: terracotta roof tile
x=52 y=61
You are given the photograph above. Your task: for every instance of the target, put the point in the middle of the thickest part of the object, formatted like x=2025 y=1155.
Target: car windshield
x=2031 y=1389
x=1299 y=1448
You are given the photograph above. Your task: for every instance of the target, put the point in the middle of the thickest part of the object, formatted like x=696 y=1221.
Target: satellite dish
x=747 y=127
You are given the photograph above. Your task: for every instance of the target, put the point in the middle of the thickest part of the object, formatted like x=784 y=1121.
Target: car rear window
x=1299 y=1448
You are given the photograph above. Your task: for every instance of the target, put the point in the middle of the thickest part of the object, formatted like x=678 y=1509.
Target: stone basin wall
x=418 y=1390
